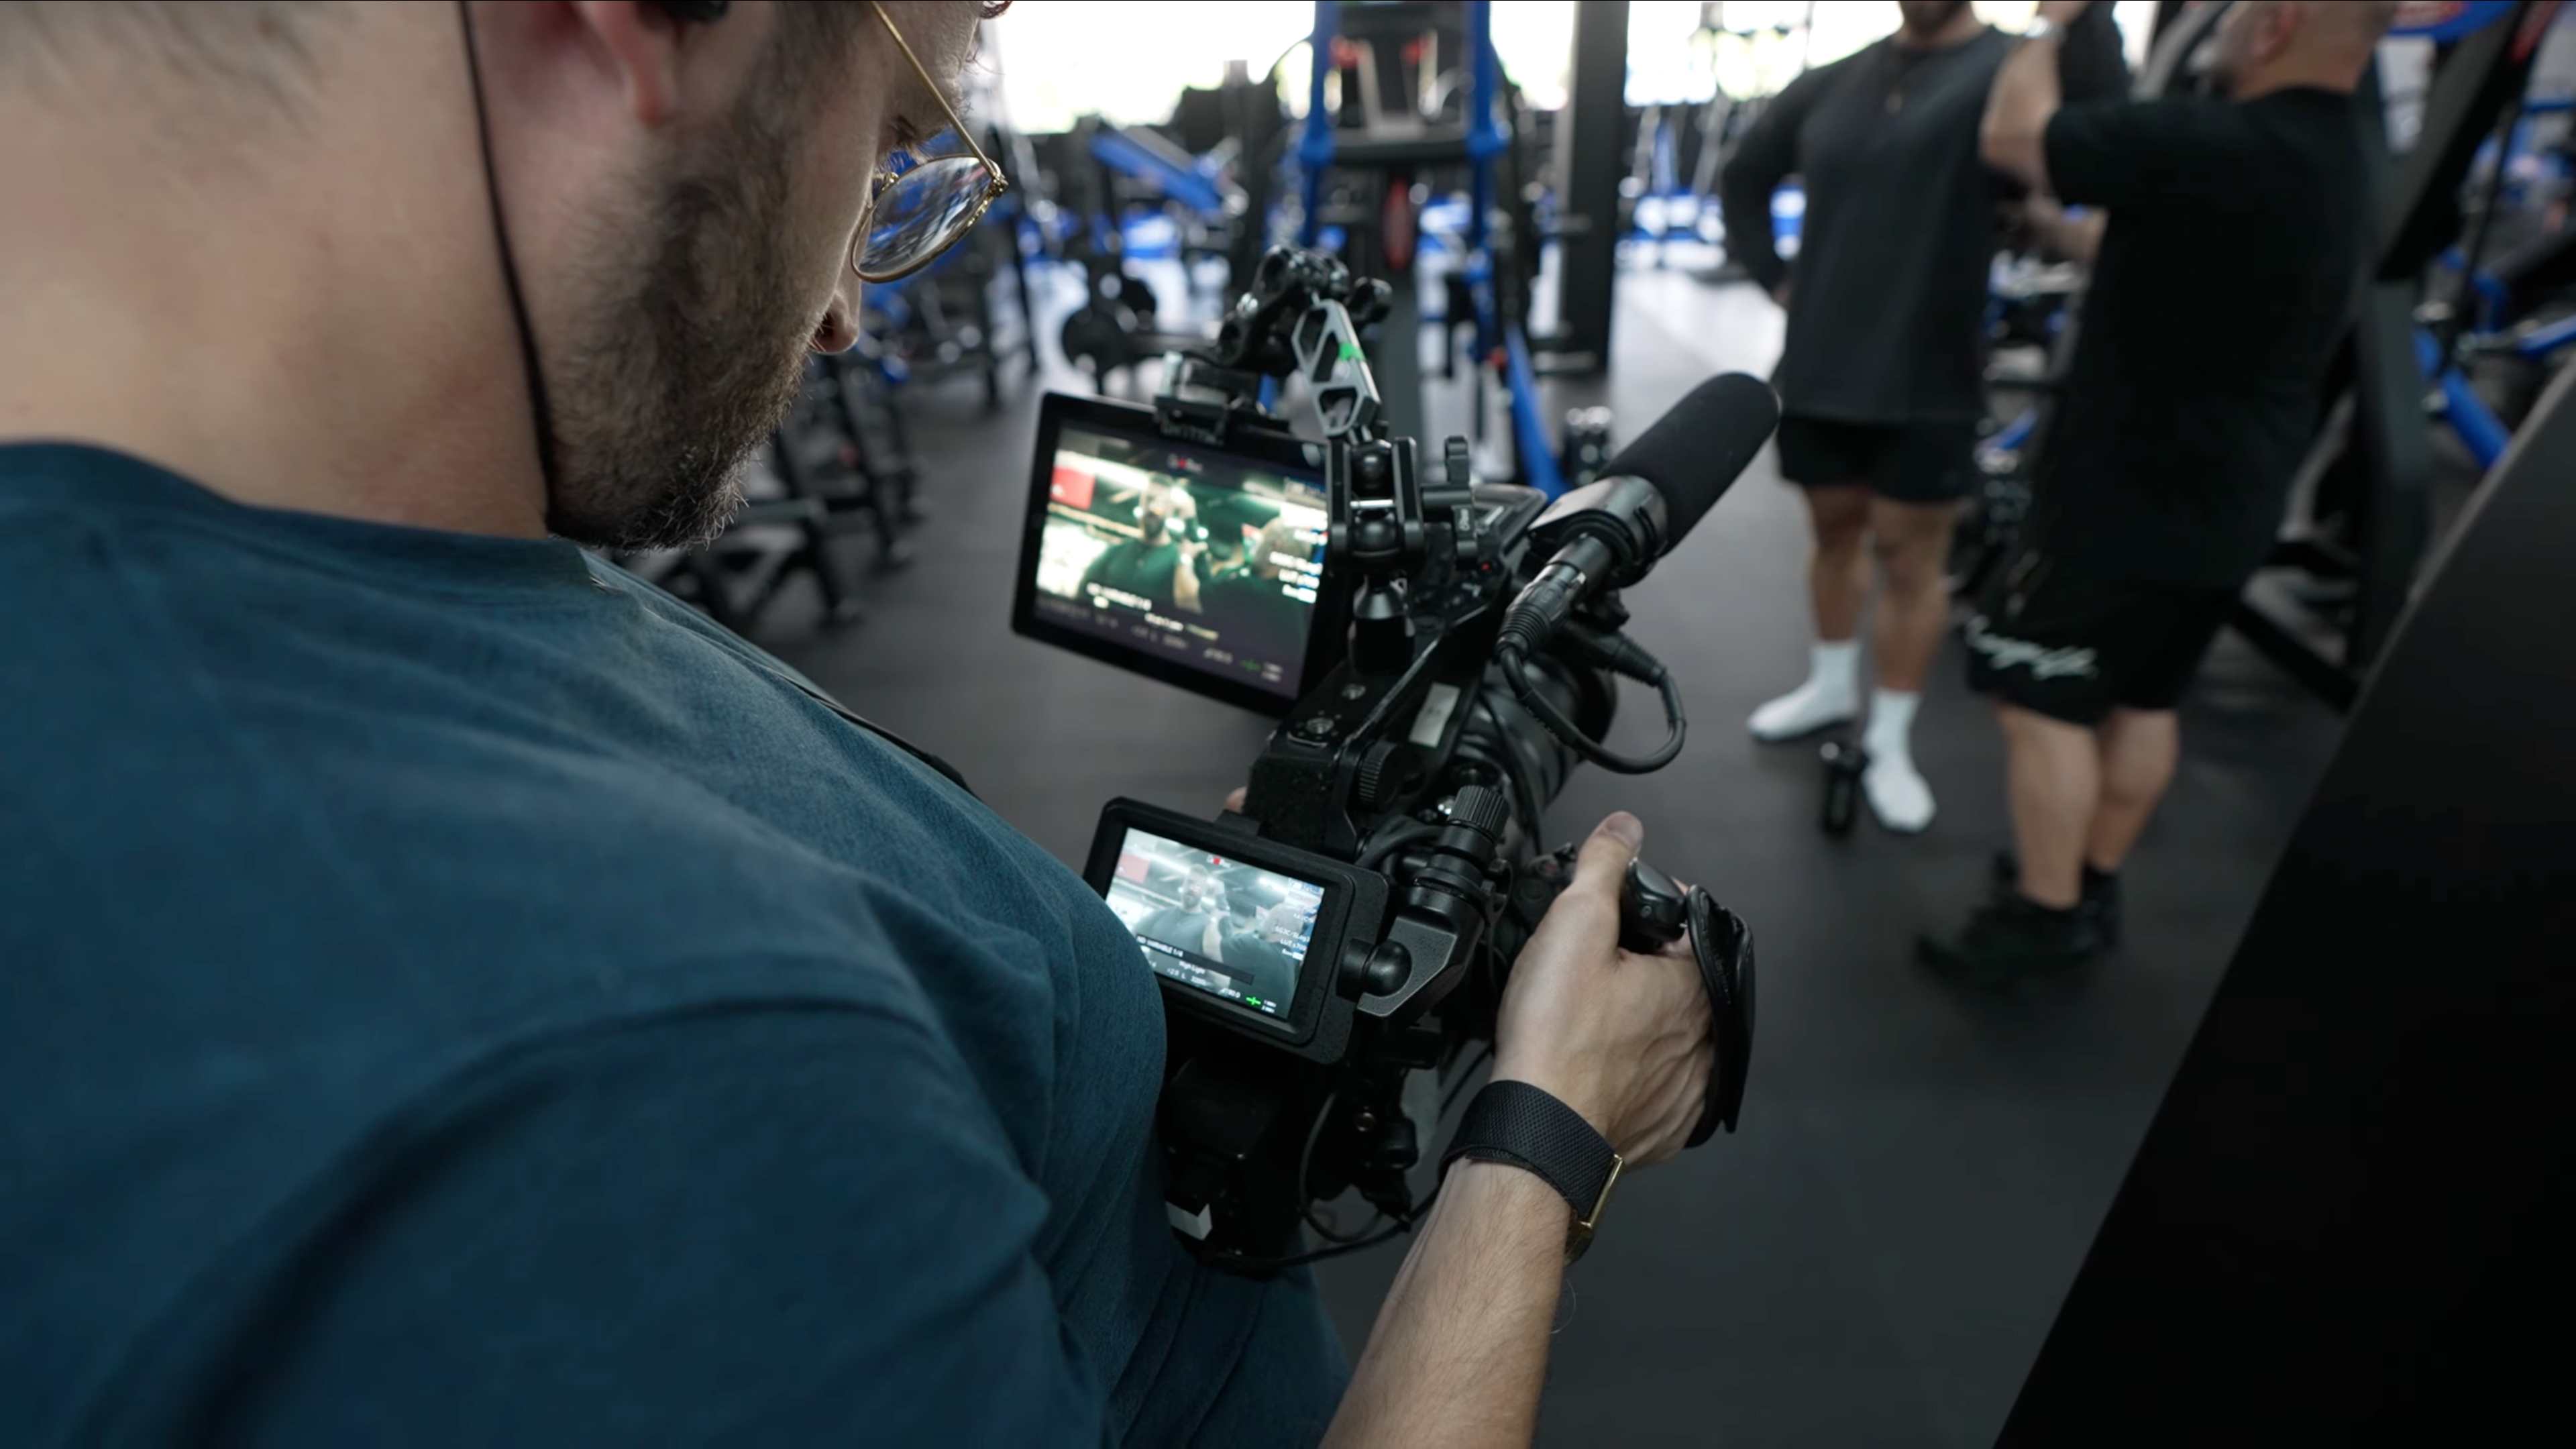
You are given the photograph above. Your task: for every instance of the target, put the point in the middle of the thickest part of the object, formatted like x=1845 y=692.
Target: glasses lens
x=922 y=212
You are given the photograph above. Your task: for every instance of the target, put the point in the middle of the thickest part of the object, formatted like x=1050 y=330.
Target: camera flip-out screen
x=1247 y=934
x=1232 y=930
x=1200 y=566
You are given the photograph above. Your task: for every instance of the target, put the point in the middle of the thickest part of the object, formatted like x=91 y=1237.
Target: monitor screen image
x=1232 y=930
x=1199 y=556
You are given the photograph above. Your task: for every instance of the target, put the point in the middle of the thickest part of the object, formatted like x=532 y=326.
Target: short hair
x=815 y=36
x=266 y=46
x=262 y=47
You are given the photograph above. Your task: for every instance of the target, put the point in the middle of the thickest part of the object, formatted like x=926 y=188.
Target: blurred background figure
x=2165 y=483
x=1881 y=380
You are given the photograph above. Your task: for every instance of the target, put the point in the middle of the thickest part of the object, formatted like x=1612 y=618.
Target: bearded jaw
x=689 y=356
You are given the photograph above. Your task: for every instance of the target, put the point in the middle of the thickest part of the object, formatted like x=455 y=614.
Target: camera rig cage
x=1404 y=787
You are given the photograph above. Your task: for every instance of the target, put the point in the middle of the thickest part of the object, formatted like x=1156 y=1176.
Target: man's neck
x=1957 y=30
x=316 y=323
x=2270 y=82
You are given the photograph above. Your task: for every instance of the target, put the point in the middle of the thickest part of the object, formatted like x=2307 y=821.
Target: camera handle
x=1655 y=911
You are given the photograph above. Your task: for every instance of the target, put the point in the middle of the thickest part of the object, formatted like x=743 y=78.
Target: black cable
x=1400 y=1225
x=1626 y=659
x=1404 y=1224
x=1354 y=1242
x=1305 y=1160
x=1387 y=845
x=540 y=412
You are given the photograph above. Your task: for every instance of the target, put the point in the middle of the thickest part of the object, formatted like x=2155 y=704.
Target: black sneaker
x=2009 y=938
x=2101 y=898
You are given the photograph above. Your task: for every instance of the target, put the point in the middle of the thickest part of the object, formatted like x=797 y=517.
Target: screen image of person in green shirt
x=1159 y=564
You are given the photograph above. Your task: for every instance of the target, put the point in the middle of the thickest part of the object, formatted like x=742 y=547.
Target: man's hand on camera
x=1621 y=1038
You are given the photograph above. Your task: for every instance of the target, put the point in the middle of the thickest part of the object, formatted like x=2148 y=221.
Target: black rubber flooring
x=1876 y=1256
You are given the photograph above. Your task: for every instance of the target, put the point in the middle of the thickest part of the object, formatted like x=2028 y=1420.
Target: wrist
x=1473 y=1184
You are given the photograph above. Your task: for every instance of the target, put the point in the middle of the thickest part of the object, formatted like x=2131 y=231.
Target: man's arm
x=2090 y=66
x=2025 y=95
x=2075 y=237
x=1765 y=156
x=1460 y=1348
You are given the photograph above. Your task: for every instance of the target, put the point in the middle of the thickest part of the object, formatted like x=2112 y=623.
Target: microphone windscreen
x=1693 y=453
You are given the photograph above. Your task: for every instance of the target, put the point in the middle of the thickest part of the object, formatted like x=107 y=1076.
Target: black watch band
x=1516 y=1123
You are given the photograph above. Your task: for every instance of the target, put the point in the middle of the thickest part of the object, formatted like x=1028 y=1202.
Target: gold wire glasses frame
x=929 y=207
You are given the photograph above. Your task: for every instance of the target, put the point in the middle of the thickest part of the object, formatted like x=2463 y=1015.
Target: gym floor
x=1877 y=1255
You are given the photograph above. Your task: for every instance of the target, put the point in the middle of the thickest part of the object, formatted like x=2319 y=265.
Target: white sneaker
x=1897 y=794
x=1803 y=711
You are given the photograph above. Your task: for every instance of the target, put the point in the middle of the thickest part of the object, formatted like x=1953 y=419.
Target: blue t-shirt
x=452 y=994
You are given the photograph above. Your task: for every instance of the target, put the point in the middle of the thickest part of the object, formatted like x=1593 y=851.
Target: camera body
x=1353 y=924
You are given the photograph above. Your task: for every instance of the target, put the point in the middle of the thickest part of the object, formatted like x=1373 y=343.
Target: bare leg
x=1912 y=542
x=1838 y=584
x=2055 y=781
x=2138 y=750
x=1838 y=571
x=1909 y=540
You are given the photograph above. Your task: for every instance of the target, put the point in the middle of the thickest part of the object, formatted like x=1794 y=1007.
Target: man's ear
x=643 y=42
x=2280 y=23
x=838 y=331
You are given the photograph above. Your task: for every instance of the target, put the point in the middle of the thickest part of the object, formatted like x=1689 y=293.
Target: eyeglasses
x=914 y=215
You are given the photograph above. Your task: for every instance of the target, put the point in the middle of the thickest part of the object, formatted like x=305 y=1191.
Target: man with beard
x=2170 y=462
x=1161 y=562
x=1882 y=374
x=450 y=992
x=1190 y=924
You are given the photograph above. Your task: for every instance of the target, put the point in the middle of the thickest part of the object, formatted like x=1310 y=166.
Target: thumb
x=1601 y=867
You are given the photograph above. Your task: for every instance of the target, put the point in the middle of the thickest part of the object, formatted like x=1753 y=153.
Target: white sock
x=1891 y=724
x=1830 y=695
x=1897 y=792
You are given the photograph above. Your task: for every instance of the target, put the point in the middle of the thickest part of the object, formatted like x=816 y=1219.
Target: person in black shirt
x=1881 y=380
x=1190 y=924
x=1160 y=563
x=2172 y=457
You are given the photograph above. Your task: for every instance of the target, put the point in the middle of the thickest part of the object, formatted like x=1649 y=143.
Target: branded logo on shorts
x=2043 y=663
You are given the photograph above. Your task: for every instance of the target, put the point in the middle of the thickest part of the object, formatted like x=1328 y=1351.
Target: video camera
x=1441 y=653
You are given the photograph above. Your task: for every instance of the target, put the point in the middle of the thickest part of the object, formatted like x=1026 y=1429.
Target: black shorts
x=2076 y=643
x=1906 y=462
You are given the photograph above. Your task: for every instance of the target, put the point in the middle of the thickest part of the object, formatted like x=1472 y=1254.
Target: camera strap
x=1724 y=946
